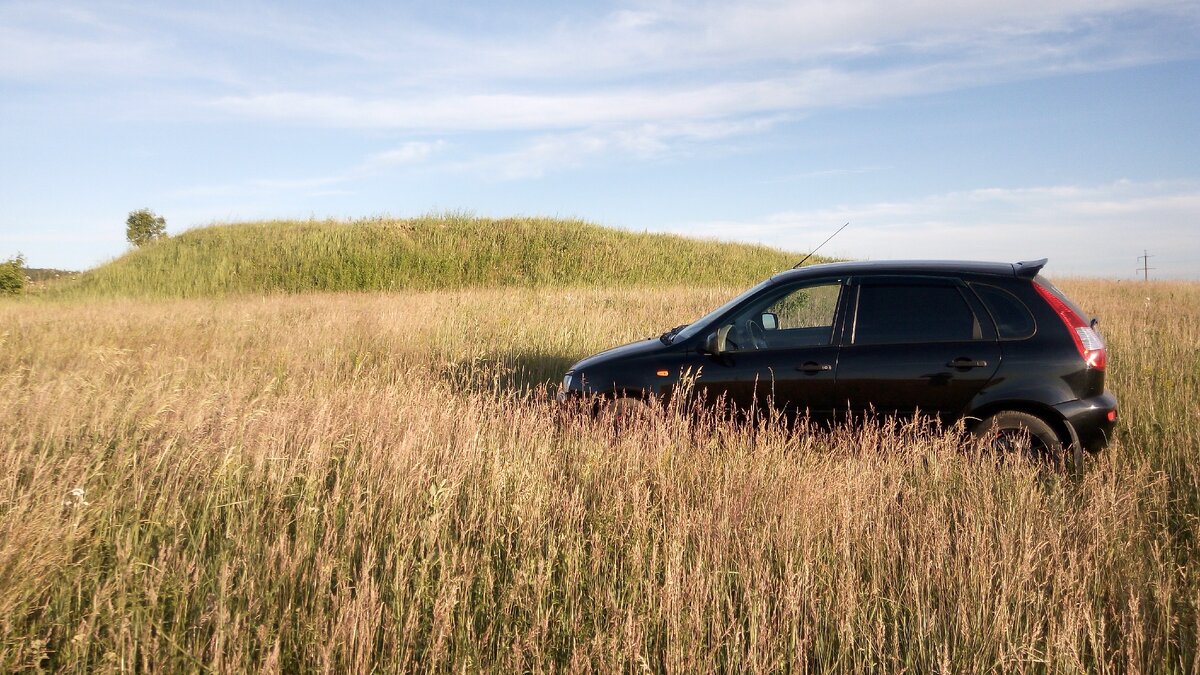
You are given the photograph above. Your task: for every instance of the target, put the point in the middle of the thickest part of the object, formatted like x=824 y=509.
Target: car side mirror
x=715 y=342
x=770 y=321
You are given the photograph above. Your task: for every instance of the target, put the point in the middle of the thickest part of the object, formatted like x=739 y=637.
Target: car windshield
x=700 y=324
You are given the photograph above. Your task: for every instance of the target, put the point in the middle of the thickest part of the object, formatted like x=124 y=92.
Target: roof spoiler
x=1028 y=269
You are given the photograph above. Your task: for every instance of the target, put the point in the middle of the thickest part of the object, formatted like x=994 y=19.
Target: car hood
x=647 y=346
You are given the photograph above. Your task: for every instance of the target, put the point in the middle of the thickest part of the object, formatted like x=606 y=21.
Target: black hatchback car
x=995 y=344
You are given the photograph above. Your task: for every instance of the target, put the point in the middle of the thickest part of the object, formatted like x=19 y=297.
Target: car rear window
x=902 y=313
x=1012 y=317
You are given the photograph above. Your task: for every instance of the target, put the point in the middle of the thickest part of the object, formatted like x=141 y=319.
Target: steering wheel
x=758 y=336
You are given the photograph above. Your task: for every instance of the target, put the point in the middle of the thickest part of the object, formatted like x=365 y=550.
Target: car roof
x=1025 y=269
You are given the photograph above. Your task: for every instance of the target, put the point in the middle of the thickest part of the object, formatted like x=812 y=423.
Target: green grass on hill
x=432 y=252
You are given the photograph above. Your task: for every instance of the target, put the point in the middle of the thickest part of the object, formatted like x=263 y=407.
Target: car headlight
x=564 y=390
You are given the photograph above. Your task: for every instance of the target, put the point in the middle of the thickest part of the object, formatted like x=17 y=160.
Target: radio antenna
x=810 y=253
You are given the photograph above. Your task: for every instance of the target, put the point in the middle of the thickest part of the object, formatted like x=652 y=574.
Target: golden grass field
x=361 y=482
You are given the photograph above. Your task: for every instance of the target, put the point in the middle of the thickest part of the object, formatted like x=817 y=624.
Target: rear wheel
x=1010 y=431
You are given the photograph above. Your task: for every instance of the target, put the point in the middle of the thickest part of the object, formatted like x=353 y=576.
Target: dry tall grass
x=341 y=482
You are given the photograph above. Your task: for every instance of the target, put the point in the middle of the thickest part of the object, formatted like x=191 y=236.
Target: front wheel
x=625 y=411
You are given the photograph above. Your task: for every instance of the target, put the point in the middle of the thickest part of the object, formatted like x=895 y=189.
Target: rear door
x=914 y=344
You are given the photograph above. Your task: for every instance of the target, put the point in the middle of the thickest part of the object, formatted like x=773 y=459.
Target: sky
x=980 y=129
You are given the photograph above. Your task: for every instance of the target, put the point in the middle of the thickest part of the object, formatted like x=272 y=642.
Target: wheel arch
x=601 y=398
x=1043 y=412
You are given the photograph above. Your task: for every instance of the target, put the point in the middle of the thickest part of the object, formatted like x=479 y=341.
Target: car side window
x=809 y=307
x=799 y=317
x=913 y=312
x=1013 y=320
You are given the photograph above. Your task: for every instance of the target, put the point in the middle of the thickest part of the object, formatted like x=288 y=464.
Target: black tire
x=1010 y=431
x=626 y=411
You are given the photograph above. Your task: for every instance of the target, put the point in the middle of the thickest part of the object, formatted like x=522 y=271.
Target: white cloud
x=685 y=36
x=814 y=88
x=549 y=152
x=675 y=62
x=412 y=152
x=58 y=42
x=1084 y=230
x=406 y=153
x=32 y=54
x=642 y=62
x=825 y=173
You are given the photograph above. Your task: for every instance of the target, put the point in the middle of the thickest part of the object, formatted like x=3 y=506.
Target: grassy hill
x=433 y=252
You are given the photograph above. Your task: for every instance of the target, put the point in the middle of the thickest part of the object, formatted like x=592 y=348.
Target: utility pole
x=1145 y=268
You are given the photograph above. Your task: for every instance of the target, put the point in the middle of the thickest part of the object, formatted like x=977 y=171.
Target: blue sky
x=988 y=129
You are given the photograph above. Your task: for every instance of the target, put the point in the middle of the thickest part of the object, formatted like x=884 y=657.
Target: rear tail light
x=1087 y=339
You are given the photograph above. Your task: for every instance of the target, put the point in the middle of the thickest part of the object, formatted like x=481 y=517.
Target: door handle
x=964 y=362
x=814 y=367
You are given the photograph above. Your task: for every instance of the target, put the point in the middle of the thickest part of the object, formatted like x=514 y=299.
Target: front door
x=780 y=350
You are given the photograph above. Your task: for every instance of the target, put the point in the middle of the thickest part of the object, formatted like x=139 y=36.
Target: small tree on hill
x=12 y=275
x=144 y=226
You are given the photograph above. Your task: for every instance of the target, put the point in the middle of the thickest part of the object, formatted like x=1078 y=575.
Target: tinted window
x=1013 y=320
x=913 y=313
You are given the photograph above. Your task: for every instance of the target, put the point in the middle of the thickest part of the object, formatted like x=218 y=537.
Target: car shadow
x=506 y=373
